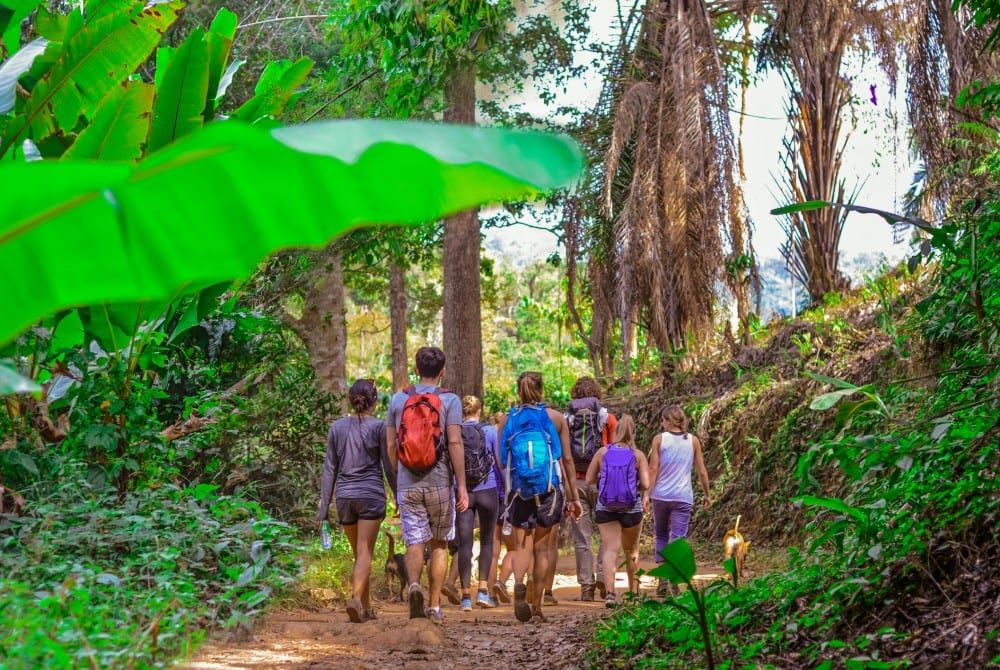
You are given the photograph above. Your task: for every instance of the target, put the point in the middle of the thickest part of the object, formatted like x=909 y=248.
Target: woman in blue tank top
x=621 y=474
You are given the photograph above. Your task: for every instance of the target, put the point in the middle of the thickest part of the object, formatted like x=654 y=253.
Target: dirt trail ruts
x=486 y=638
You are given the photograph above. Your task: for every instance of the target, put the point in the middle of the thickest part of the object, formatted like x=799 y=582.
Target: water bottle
x=325 y=538
x=507 y=528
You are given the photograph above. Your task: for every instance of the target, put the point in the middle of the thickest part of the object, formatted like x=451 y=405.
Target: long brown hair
x=674 y=414
x=471 y=405
x=529 y=388
x=625 y=433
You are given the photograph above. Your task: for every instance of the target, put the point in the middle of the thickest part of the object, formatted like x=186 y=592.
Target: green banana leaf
x=208 y=208
x=220 y=38
x=96 y=57
x=120 y=127
x=181 y=92
x=277 y=84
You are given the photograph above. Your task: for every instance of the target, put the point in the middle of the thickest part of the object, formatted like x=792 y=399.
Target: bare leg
x=495 y=559
x=522 y=554
x=437 y=570
x=414 y=562
x=630 y=544
x=543 y=539
x=507 y=567
x=367 y=533
x=611 y=540
x=553 y=560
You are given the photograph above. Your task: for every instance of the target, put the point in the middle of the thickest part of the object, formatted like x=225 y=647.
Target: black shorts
x=626 y=519
x=349 y=510
x=545 y=513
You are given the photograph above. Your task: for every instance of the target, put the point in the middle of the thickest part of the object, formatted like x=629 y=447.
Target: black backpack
x=584 y=419
x=478 y=457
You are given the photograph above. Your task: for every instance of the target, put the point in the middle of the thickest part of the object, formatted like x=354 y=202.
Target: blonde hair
x=471 y=405
x=625 y=433
x=529 y=388
x=674 y=414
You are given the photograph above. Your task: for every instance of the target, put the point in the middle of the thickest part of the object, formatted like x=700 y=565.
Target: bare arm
x=654 y=467
x=457 y=453
x=330 y=468
x=390 y=447
x=699 y=463
x=594 y=470
x=569 y=477
x=643 y=466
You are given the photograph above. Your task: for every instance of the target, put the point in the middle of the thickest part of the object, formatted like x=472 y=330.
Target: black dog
x=395 y=568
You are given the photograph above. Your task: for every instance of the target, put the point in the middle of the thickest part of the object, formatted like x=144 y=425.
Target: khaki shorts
x=427 y=513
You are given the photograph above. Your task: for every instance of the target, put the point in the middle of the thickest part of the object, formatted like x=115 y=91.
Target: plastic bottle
x=325 y=538
x=507 y=528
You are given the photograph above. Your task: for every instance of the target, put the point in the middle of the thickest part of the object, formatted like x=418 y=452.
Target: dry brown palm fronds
x=670 y=180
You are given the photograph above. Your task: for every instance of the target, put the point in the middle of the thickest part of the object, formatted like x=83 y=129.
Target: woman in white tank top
x=674 y=454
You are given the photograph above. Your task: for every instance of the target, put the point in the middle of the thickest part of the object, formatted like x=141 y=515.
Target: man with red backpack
x=591 y=426
x=424 y=435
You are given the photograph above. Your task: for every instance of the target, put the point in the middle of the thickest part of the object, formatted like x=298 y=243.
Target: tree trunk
x=323 y=326
x=462 y=323
x=397 y=319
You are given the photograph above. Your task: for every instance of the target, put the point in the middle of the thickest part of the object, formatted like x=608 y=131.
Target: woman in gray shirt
x=355 y=458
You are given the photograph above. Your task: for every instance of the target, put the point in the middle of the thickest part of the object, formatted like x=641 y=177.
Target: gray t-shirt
x=440 y=474
x=355 y=458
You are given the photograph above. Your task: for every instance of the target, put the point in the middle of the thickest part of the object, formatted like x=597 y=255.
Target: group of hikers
x=520 y=478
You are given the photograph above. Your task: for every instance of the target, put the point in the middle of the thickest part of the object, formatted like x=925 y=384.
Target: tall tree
x=322 y=327
x=808 y=42
x=463 y=340
x=670 y=176
x=397 y=325
x=430 y=57
x=945 y=54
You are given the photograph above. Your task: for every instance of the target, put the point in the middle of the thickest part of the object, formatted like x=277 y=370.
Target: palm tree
x=671 y=166
x=945 y=54
x=807 y=42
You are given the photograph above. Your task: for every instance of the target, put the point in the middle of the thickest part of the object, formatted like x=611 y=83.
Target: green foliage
x=91 y=579
x=214 y=234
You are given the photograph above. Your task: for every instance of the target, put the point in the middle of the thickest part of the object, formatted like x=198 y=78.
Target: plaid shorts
x=427 y=513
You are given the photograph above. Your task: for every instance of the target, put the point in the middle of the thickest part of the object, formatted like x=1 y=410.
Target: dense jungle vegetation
x=214 y=217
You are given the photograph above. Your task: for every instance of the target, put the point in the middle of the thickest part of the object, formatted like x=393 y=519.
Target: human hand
x=319 y=522
x=574 y=509
x=708 y=502
x=462 y=500
x=646 y=504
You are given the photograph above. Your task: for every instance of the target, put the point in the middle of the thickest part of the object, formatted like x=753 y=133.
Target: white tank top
x=673 y=478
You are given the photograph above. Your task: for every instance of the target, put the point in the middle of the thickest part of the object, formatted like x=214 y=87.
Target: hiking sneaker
x=549 y=598
x=610 y=600
x=354 y=610
x=522 y=609
x=466 y=604
x=587 y=593
x=602 y=590
x=435 y=615
x=416 y=598
x=451 y=593
x=484 y=601
x=500 y=593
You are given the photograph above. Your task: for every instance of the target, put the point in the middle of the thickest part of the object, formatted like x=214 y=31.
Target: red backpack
x=420 y=439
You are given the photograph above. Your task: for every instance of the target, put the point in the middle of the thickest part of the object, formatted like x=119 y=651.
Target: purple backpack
x=618 y=488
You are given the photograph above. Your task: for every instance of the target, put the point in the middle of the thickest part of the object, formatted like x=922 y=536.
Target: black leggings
x=487 y=505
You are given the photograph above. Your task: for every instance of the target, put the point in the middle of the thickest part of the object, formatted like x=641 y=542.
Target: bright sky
x=871 y=157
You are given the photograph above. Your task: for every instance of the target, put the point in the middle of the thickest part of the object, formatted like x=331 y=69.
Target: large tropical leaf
x=12 y=13
x=181 y=91
x=277 y=84
x=120 y=127
x=96 y=58
x=220 y=38
x=208 y=208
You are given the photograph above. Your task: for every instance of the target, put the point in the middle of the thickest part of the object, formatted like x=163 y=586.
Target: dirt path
x=467 y=639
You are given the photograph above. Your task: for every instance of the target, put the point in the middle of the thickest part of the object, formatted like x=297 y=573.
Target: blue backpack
x=528 y=452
